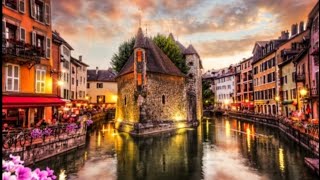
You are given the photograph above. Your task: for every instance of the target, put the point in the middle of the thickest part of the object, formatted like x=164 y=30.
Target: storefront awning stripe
x=23 y=101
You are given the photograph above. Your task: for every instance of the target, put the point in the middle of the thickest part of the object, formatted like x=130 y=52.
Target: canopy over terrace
x=25 y=110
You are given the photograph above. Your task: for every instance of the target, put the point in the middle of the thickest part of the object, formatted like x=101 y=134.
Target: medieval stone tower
x=194 y=80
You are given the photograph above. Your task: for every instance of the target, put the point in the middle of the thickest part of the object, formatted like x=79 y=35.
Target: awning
x=29 y=101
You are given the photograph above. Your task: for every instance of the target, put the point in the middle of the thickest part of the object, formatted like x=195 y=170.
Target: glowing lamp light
x=303 y=92
x=60 y=83
x=114 y=97
x=246 y=100
x=181 y=125
x=62 y=175
x=66 y=109
x=87 y=97
x=226 y=101
x=78 y=104
x=178 y=117
x=277 y=98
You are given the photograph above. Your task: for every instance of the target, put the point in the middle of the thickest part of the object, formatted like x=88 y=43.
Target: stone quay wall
x=303 y=139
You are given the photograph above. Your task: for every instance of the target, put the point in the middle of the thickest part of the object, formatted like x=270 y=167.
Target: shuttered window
x=47 y=14
x=22 y=6
x=48 y=48
x=32 y=8
x=40 y=80
x=22 y=34
x=12 y=79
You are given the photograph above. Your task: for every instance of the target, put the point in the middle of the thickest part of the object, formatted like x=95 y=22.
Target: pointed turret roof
x=140 y=40
x=171 y=36
x=181 y=47
x=157 y=61
x=190 y=50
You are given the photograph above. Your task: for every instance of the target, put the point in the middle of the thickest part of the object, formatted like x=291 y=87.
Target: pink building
x=313 y=25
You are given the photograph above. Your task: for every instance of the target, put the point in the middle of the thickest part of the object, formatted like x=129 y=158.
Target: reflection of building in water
x=170 y=155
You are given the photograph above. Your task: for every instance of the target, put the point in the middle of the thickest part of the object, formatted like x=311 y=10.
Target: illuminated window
x=139 y=79
x=139 y=56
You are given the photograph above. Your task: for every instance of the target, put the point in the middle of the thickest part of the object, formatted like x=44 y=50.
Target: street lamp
x=226 y=102
x=277 y=98
x=303 y=92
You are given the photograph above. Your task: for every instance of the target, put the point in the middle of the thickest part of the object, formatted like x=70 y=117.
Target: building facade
x=225 y=87
x=102 y=88
x=288 y=51
x=78 y=87
x=246 y=84
x=27 y=57
x=313 y=26
x=265 y=69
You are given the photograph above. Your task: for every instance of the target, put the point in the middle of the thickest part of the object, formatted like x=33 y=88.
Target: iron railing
x=12 y=47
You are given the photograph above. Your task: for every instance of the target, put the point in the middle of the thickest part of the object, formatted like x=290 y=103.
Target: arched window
x=190 y=75
x=163 y=99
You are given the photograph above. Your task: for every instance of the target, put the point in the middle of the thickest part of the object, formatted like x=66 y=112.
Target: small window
x=99 y=85
x=190 y=76
x=163 y=99
x=125 y=100
x=139 y=79
x=190 y=63
x=88 y=85
x=139 y=56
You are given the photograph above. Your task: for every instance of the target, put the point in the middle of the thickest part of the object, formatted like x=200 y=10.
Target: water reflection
x=220 y=148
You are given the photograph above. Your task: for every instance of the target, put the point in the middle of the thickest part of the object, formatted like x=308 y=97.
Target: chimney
x=80 y=58
x=97 y=70
x=301 y=27
x=284 y=35
x=294 y=29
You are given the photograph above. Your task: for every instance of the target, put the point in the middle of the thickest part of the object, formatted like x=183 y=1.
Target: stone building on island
x=153 y=93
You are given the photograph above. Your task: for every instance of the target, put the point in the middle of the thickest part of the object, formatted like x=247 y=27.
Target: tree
x=119 y=59
x=172 y=50
x=207 y=94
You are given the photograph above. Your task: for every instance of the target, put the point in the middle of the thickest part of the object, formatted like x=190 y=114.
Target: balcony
x=13 y=50
x=314 y=92
x=301 y=77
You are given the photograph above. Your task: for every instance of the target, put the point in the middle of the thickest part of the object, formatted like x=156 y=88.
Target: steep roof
x=157 y=61
x=259 y=43
x=181 y=47
x=140 y=40
x=190 y=50
x=56 y=36
x=101 y=75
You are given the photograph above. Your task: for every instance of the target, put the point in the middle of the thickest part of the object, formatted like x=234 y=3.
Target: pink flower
x=23 y=173
x=8 y=176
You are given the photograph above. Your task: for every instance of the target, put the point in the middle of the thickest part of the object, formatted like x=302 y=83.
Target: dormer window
x=139 y=56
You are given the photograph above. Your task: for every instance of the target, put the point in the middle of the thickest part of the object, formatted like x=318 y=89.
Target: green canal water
x=219 y=149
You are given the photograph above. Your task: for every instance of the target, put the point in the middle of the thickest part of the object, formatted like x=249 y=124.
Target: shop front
x=26 y=111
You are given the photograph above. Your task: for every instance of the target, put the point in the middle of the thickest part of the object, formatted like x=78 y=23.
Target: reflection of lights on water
x=228 y=130
x=85 y=155
x=62 y=175
x=248 y=139
x=99 y=139
x=281 y=160
x=207 y=128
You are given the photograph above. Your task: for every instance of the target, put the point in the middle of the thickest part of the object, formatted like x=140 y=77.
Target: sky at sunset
x=222 y=31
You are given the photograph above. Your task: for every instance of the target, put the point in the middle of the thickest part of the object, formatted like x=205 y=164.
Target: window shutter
x=22 y=34
x=22 y=6
x=48 y=48
x=33 y=38
x=32 y=8
x=47 y=14
x=3 y=29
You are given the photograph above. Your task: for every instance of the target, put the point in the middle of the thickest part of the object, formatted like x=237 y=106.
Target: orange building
x=27 y=63
x=246 y=84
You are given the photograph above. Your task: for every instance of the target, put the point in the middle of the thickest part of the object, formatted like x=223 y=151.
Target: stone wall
x=130 y=110
x=195 y=81
x=173 y=90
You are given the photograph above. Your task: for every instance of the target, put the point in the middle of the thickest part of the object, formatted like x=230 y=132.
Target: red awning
x=236 y=104
x=27 y=101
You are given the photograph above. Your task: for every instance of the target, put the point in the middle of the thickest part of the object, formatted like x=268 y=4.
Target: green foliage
x=207 y=94
x=172 y=50
x=119 y=59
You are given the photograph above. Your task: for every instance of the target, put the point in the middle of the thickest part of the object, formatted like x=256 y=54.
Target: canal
x=219 y=149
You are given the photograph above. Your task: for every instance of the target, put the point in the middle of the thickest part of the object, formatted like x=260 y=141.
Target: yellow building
x=101 y=87
x=288 y=52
